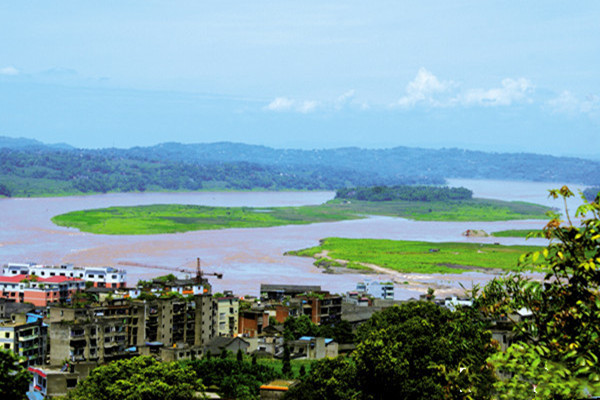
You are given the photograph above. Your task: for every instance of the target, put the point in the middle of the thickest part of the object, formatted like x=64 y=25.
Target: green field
x=419 y=257
x=171 y=218
x=515 y=232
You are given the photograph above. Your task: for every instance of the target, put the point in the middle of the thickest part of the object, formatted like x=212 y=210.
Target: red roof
x=52 y=279
x=13 y=278
x=59 y=279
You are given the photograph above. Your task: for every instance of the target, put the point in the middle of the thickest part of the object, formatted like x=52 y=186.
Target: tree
x=555 y=354
x=240 y=355
x=4 y=191
x=14 y=379
x=413 y=351
x=421 y=350
x=139 y=378
x=286 y=369
x=328 y=379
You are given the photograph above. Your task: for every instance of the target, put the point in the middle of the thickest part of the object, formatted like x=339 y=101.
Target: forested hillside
x=398 y=161
x=50 y=172
x=30 y=168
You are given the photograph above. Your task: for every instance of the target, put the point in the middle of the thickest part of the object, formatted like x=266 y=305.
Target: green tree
x=555 y=354
x=14 y=379
x=328 y=379
x=286 y=368
x=139 y=378
x=421 y=350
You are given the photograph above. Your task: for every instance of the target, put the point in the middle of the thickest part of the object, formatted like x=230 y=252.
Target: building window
x=6 y=346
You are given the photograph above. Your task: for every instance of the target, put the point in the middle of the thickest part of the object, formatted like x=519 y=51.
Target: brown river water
x=248 y=257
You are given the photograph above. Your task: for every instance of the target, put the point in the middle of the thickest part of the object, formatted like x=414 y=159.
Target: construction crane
x=199 y=272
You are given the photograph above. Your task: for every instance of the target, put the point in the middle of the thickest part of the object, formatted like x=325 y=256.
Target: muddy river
x=246 y=257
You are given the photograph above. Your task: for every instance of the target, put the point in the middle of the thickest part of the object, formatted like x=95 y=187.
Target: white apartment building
x=108 y=277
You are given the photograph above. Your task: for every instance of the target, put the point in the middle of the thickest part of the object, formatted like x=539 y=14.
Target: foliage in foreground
x=139 y=378
x=234 y=378
x=14 y=379
x=413 y=351
x=557 y=354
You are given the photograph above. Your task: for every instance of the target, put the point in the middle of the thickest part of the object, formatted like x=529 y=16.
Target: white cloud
x=9 y=71
x=423 y=90
x=280 y=104
x=511 y=91
x=285 y=104
x=343 y=99
x=306 y=106
x=568 y=103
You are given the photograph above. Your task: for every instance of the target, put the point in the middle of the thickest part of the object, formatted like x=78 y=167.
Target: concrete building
x=39 y=291
x=176 y=320
x=313 y=348
x=99 y=333
x=379 y=290
x=278 y=292
x=228 y=308
x=321 y=307
x=24 y=336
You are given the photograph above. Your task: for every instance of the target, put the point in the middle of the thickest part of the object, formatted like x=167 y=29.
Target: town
x=63 y=321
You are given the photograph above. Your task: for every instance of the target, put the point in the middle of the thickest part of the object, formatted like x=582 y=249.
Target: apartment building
x=24 y=336
x=379 y=290
x=228 y=308
x=321 y=307
x=39 y=291
x=99 y=333
x=108 y=277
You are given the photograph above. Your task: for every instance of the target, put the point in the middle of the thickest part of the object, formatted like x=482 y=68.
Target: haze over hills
x=29 y=167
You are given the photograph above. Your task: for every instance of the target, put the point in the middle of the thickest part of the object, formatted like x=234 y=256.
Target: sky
x=483 y=75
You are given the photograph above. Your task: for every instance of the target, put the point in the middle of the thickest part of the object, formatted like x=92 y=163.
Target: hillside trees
x=412 y=351
x=557 y=349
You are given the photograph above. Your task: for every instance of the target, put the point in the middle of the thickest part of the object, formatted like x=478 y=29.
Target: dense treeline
x=394 y=162
x=591 y=193
x=408 y=193
x=40 y=172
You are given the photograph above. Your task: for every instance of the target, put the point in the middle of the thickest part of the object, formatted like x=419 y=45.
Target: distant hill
x=394 y=162
x=29 y=167
x=24 y=143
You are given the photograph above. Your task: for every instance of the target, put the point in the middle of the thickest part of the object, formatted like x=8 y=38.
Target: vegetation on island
x=171 y=218
x=404 y=192
x=418 y=257
x=517 y=233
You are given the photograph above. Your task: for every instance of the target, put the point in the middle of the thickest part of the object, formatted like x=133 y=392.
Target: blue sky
x=495 y=76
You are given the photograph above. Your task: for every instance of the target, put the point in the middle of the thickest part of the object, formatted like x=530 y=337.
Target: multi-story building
x=39 y=291
x=23 y=336
x=123 y=327
x=178 y=320
x=100 y=333
x=109 y=277
x=321 y=307
x=228 y=308
x=379 y=290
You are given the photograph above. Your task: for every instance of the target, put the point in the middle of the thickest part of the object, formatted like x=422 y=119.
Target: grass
x=172 y=218
x=419 y=257
x=515 y=232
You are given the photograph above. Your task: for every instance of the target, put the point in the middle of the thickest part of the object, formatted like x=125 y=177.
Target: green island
x=516 y=232
x=172 y=218
x=417 y=257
